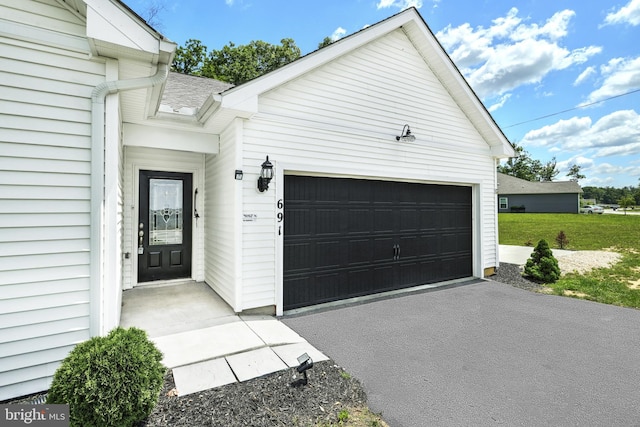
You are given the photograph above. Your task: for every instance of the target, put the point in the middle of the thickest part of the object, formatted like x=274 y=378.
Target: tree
x=523 y=166
x=548 y=171
x=626 y=202
x=239 y=64
x=190 y=58
x=574 y=173
x=325 y=42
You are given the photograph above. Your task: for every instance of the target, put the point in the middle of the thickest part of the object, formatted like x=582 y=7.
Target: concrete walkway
x=205 y=343
x=237 y=351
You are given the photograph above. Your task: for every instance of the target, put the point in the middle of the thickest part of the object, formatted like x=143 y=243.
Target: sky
x=561 y=78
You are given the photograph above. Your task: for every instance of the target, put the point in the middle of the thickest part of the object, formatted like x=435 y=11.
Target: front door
x=164 y=226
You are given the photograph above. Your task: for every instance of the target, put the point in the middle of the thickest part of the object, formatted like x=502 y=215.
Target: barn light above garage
x=266 y=174
x=406 y=135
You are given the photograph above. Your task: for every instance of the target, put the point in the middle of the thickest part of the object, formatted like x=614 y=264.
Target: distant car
x=590 y=209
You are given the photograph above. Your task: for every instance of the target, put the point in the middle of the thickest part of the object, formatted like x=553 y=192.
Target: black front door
x=164 y=226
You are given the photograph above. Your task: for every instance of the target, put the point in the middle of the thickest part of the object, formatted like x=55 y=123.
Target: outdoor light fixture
x=266 y=174
x=406 y=135
x=304 y=364
x=239 y=175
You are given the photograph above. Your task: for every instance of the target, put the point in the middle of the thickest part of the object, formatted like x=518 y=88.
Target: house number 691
x=280 y=215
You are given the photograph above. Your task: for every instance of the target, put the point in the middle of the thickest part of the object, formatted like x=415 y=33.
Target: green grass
x=585 y=232
x=612 y=285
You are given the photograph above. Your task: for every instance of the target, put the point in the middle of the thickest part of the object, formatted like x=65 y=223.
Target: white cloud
x=511 y=53
x=629 y=14
x=503 y=99
x=588 y=72
x=338 y=34
x=400 y=4
x=615 y=134
x=620 y=75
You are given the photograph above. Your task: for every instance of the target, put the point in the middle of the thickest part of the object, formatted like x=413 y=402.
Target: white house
x=116 y=174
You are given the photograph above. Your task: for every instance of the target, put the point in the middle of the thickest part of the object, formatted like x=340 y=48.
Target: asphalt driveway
x=487 y=354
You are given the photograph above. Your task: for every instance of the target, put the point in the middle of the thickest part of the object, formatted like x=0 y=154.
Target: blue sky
x=574 y=62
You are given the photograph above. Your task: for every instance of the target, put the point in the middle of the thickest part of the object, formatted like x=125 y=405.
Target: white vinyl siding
x=139 y=158
x=222 y=218
x=45 y=116
x=342 y=120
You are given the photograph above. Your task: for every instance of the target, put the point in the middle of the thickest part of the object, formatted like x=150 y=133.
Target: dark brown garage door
x=350 y=237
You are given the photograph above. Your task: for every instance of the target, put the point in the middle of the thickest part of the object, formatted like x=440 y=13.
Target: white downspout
x=98 y=97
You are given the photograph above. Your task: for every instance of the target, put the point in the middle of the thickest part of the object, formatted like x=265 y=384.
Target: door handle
x=141 y=238
x=396 y=252
x=398 y=257
x=195 y=205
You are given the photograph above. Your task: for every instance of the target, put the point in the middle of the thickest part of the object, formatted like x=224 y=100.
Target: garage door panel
x=299 y=224
x=360 y=220
x=360 y=251
x=348 y=237
x=327 y=222
x=327 y=254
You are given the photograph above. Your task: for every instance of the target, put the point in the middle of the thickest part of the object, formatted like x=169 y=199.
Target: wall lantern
x=238 y=175
x=266 y=174
x=406 y=135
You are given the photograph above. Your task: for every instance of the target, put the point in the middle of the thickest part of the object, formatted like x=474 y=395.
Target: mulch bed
x=266 y=401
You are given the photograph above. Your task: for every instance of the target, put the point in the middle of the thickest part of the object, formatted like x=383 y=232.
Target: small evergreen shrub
x=542 y=266
x=110 y=381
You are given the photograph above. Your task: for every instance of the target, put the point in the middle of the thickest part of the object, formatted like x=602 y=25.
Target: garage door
x=350 y=237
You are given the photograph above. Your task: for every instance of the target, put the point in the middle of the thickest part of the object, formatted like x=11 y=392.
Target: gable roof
x=508 y=184
x=242 y=100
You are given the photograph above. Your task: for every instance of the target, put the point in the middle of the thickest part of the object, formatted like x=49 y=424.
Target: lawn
x=584 y=232
x=617 y=285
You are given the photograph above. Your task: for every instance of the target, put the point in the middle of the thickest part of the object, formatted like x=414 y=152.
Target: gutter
x=98 y=147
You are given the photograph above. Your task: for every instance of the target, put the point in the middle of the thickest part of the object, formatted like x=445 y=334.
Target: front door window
x=165 y=212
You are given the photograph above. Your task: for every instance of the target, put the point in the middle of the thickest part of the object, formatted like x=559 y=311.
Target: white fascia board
x=110 y=23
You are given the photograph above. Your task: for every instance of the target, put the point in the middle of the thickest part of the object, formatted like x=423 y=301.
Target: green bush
x=110 y=381
x=542 y=266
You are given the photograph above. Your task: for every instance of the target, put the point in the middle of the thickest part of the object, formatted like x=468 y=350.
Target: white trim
x=279 y=255
x=112 y=274
x=238 y=206
x=135 y=215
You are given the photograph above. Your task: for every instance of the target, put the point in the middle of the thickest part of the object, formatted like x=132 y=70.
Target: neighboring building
x=520 y=195
x=115 y=177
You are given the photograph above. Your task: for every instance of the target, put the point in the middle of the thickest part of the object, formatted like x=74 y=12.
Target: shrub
x=110 y=381
x=562 y=240
x=542 y=266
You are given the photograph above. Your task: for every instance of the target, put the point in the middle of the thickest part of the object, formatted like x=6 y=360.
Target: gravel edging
x=511 y=274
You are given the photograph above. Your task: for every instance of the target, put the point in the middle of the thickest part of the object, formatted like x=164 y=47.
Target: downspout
x=98 y=146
